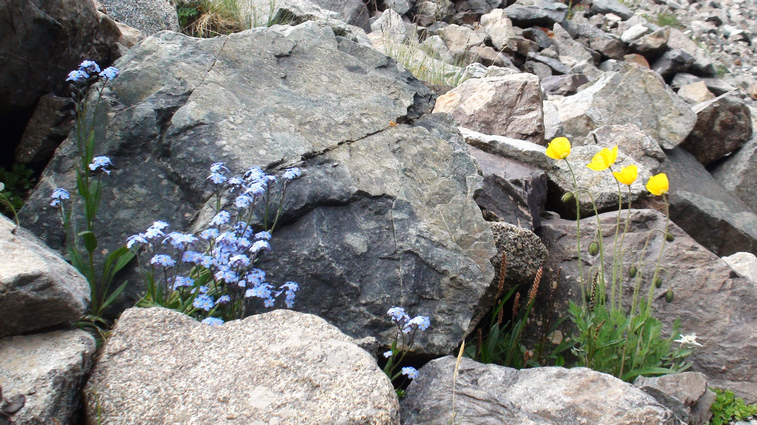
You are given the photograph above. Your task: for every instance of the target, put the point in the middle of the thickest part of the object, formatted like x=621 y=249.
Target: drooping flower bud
x=669 y=237
x=594 y=248
x=669 y=296
x=568 y=197
x=632 y=272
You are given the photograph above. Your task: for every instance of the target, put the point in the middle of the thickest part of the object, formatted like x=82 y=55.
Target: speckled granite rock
x=148 y=16
x=48 y=370
x=280 y=367
x=38 y=288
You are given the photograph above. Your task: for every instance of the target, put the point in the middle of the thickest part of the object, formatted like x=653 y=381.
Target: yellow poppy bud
x=627 y=175
x=604 y=159
x=558 y=148
x=658 y=185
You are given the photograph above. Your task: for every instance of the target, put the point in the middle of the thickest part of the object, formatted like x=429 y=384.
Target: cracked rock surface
x=384 y=213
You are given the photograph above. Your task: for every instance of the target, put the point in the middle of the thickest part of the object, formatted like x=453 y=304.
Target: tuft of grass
x=668 y=19
x=424 y=67
x=211 y=18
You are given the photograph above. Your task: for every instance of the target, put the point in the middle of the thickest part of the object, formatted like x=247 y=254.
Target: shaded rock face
x=708 y=299
x=632 y=95
x=42 y=41
x=738 y=173
x=384 y=215
x=281 y=366
x=713 y=216
x=490 y=394
x=38 y=289
x=48 y=371
x=148 y=16
x=724 y=124
x=513 y=192
x=507 y=106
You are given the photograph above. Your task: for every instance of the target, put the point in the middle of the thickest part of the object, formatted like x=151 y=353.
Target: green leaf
x=90 y=241
x=114 y=295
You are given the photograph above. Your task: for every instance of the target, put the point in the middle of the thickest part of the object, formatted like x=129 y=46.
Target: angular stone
x=524 y=252
x=353 y=12
x=554 y=64
x=390 y=28
x=280 y=366
x=611 y=6
x=715 y=218
x=695 y=93
x=499 y=27
x=632 y=95
x=738 y=173
x=507 y=106
x=688 y=387
x=569 y=49
x=702 y=64
x=724 y=124
x=400 y=6
x=634 y=32
x=563 y=84
x=48 y=370
x=358 y=237
x=38 y=289
x=743 y=263
x=519 y=150
x=672 y=62
x=637 y=59
x=652 y=44
x=513 y=192
x=544 y=13
x=461 y=40
x=148 y=16
x=491 y=394
x=708 y=299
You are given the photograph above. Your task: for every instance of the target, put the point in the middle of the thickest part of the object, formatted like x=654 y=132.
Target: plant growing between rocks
x=404 y=338
x=80 y=226
x=212 y=276
x=16 y=184
x=727 y=408
x=610 y=339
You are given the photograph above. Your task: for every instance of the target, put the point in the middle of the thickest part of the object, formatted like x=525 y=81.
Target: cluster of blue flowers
x=90 y=68
x=406 y=331
x=99 y=163
x=220 y=274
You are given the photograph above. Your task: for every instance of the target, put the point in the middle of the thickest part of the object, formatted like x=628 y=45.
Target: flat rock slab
x=491 y=394
x=709 y=299
x=284 y=367
x=384 y=213
x=48 y=370
x=38 y=288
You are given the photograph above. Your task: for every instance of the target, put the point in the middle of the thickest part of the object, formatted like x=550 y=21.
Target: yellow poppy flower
x=604 y=159
x=558 y=148
x=627 y=175
x=657 y=185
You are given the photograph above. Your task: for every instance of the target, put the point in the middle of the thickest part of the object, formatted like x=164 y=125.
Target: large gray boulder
x=507 y=106
x=724 y=124
x=47 y=371
x=632 y=95
x=528 y=13
x=42 y=41
x=363 y=230
x=712 y=215
x=709 y=300
x=148 y=16
x=38 y=289
x=491 y=394
x=281 y=367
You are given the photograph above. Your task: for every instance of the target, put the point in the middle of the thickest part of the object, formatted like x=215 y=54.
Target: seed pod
x=567 y=197
x=658 y=282
x=594 y=248
x=632 y=272
x=669 y=237
x=669 y=296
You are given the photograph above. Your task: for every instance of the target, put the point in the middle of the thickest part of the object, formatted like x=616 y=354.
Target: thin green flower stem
x=578 y=232
x=615 y=252
x=662 y=249
x=603 y=286
x=620 y=250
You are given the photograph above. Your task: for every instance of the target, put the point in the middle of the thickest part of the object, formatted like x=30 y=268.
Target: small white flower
x=690 y=340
